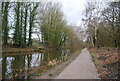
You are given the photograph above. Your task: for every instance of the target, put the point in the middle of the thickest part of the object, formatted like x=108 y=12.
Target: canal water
x=24 y=65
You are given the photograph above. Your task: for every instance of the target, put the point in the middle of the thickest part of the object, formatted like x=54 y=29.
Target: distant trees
x=91 y=21
x=22 y=20
x=102 y=24
x=54 y=28
x=73 y=40
x=22 y=15
x=111 y=17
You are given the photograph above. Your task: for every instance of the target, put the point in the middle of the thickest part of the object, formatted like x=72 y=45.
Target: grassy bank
x=11 y=49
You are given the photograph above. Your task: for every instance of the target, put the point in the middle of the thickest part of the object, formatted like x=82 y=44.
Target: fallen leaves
x=106 y=62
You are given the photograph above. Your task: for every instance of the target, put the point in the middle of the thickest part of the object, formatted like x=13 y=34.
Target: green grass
x=39 y=74
x=96 y=61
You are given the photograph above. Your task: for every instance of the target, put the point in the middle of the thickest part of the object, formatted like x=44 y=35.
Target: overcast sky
x=73 y=9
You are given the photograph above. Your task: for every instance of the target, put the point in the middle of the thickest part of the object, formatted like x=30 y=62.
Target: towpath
x=81 y=68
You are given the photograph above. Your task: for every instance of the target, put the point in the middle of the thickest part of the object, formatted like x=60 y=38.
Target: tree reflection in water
x=20 y=66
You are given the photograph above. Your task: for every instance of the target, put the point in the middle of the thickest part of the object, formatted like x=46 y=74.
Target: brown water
x=20 y=65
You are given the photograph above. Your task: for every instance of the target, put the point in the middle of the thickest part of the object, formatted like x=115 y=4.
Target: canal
x=26 y=65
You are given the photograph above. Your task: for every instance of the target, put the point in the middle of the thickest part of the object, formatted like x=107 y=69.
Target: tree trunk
x=30 y=29
x=26 y=13
x=16 y=34
x=5 y=23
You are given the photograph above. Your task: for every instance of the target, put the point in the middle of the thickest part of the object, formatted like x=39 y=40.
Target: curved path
x=81 y=68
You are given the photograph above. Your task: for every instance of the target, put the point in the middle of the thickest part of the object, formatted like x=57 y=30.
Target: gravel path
x=81 y=68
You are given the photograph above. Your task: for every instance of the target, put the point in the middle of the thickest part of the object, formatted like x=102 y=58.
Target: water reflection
x=0 y=67
x=20 y=65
